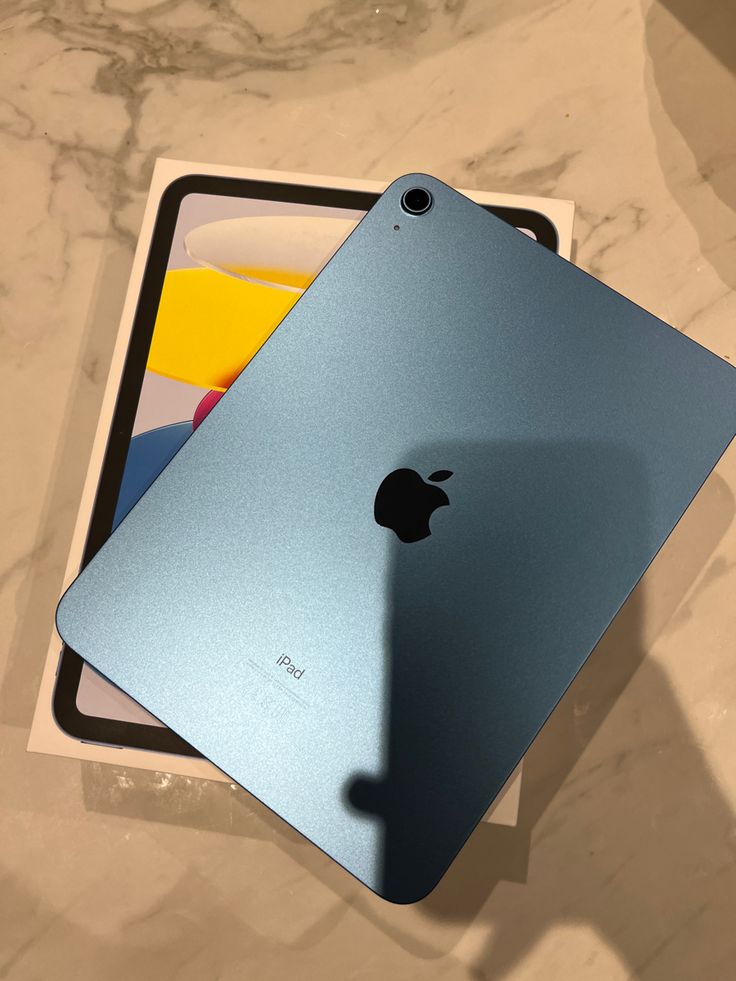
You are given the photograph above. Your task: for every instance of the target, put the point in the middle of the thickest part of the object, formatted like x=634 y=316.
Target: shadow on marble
x=622 y=826
x=39 y=593
x=188 y=930
x=692 y=72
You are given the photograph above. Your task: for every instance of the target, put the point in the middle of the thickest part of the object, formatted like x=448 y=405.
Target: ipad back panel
x=289 y=614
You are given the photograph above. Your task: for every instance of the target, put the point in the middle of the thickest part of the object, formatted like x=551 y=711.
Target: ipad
x=467 y=452
x=228 y=256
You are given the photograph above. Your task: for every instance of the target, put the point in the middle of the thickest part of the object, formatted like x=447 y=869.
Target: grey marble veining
x=623 y=862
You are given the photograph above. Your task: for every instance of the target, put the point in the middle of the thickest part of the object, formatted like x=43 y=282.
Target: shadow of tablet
x=636 y=838
x=624 y=833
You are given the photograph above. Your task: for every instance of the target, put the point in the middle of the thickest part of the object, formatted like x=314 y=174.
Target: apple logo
x=405 y=503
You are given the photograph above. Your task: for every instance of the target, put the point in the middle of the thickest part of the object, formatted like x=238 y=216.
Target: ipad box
x=92 y=697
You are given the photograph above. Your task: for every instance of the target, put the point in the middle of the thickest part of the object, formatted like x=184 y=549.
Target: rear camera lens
x=416 y=201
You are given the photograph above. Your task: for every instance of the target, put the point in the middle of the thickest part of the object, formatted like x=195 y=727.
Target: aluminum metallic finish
x=577 y=428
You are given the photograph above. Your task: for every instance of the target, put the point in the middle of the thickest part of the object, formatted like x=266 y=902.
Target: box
x=46 y=735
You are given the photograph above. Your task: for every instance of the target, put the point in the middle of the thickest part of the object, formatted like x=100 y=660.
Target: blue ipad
x=428 y=495
x=227 y=259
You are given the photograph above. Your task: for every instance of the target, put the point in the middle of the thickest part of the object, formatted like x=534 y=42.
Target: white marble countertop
x=623 y=864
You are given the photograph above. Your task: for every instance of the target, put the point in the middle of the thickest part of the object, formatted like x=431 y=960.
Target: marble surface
x=623 y=864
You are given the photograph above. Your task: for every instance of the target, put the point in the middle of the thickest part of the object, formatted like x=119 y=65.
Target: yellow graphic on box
x=209 y=324
x=282 y=277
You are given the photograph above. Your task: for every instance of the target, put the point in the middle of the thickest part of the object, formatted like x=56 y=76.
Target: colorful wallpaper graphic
x=228 y=285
